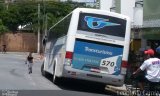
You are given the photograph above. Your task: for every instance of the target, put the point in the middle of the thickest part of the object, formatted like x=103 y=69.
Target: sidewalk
x=129 y=90
x=37 y=56
x=18 y=52
x=125 y=90
x=116 y=89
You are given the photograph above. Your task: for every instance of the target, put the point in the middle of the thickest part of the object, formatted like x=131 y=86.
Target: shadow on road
x=82 y=86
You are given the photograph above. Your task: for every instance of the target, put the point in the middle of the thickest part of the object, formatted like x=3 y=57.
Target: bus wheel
x=43 y=72
x=55 y=78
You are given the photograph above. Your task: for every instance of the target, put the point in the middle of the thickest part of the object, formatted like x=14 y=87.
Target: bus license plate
x=109 y=65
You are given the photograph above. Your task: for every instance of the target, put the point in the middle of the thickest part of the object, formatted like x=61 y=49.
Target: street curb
x=25 y=54
x=116 y=89
x=20 y=53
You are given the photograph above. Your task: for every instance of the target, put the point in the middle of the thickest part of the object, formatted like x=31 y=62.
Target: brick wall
x=19 y=42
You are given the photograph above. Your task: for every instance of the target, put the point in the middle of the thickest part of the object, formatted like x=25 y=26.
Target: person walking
x=30 y=62
x=152 y=67
x=4 y=49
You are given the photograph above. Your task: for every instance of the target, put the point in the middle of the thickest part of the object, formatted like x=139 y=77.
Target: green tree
x=25 y=12
x=10 y=18
x=2 y=28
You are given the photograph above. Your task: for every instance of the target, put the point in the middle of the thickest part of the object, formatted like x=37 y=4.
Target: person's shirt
x=152 y=67
x=44 y=41
x=4 y=46
x=30 y=59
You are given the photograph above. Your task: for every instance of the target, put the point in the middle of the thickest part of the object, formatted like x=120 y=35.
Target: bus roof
x=102 y=12
x=95 y=11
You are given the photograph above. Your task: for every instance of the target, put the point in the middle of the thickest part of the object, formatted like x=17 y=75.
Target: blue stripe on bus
x=102 y=51
x=88 y=55
x=84 y=61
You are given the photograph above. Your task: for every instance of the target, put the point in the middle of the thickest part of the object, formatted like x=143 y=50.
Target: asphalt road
x=15 y=80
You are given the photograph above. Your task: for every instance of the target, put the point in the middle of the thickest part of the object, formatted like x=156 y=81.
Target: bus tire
x=55 y=78
x=43 y=72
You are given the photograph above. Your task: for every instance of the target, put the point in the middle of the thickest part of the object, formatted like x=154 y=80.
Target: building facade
x=145 y=17
x=151 y=24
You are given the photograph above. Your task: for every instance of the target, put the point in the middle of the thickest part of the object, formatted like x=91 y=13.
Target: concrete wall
x=105 y=4
x=19 y=42
x=127 y=8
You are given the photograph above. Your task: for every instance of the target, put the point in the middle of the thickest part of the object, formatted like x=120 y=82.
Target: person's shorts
x=140 y=77
x=152 y=85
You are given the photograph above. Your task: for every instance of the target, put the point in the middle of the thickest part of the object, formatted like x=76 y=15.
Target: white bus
x=88 y=44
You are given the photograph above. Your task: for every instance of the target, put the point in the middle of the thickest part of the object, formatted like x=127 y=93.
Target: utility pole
x=44 y=19
x=38 y=44
x=46 y=25
x=7 y=3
